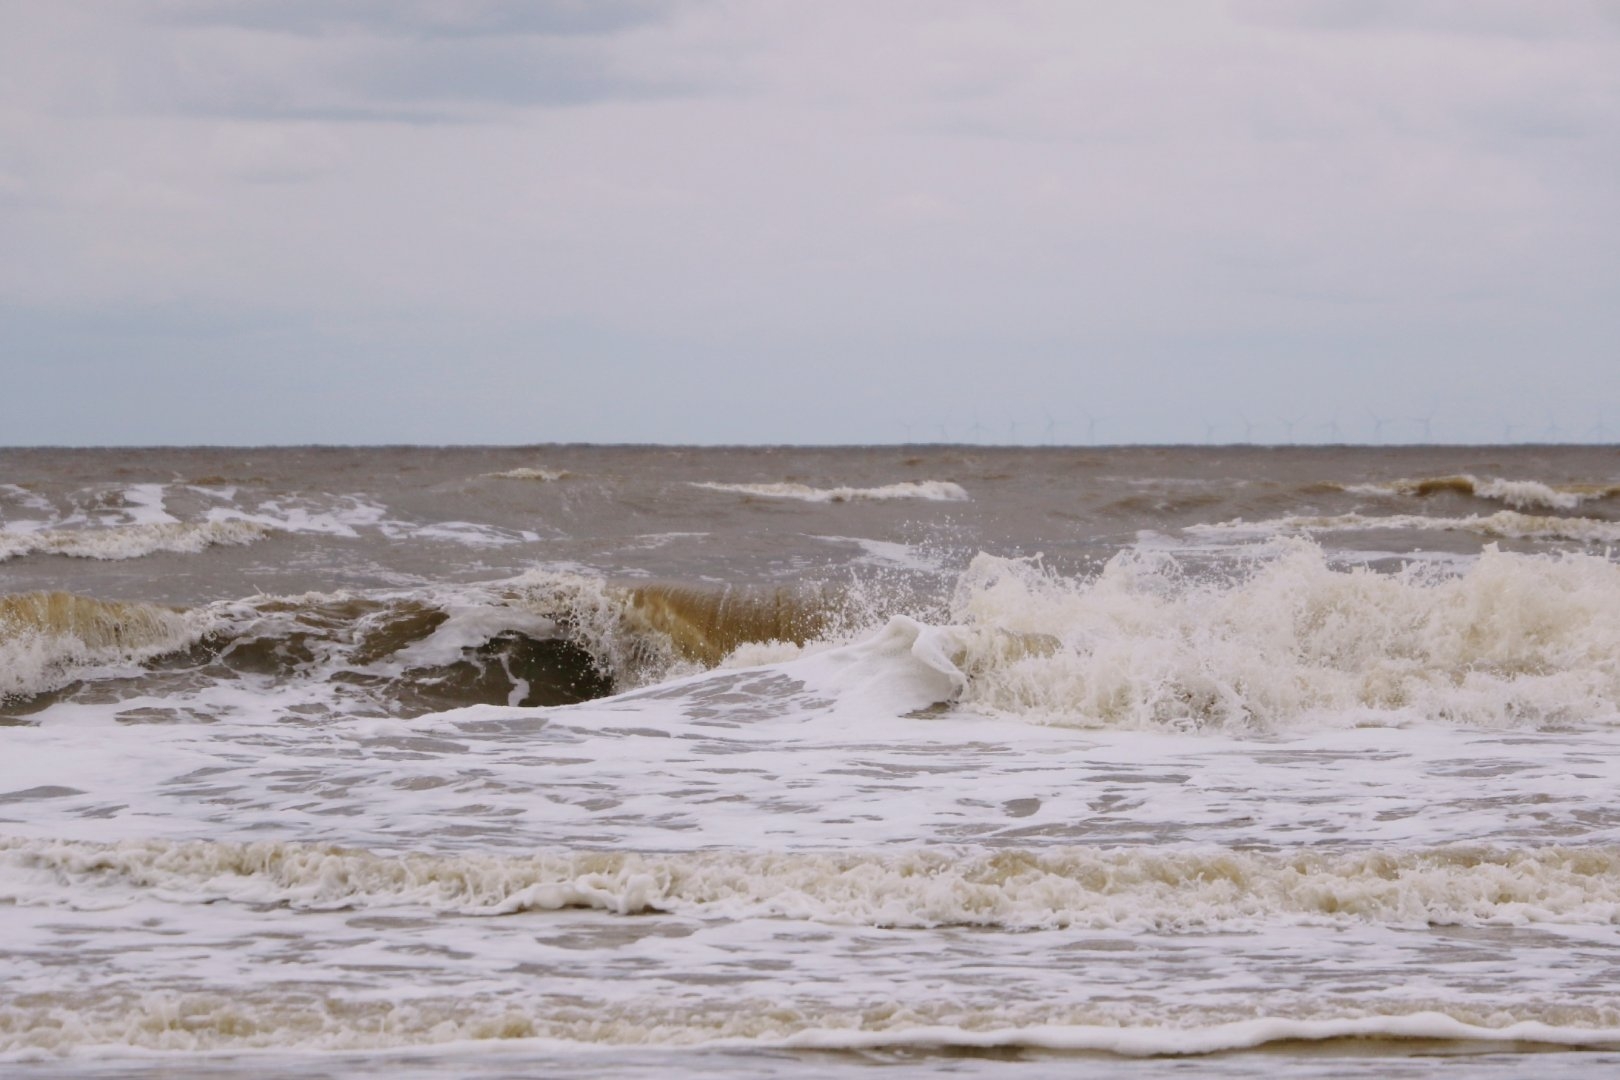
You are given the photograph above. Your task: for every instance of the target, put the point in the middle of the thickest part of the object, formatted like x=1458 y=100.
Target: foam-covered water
x=769 y=762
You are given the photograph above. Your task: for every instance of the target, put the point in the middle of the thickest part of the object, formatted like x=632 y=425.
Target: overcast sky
x=817 y=221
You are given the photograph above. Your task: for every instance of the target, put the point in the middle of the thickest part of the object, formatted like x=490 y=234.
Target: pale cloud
x=417 y=18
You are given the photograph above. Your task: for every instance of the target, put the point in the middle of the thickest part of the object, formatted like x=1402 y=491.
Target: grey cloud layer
x=895 y=216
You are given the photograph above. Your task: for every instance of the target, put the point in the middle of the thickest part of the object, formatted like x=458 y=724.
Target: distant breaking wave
x=132 y=541
x=1502 y=525
x=932 y=490
x=1519 y=494
x=544 y=475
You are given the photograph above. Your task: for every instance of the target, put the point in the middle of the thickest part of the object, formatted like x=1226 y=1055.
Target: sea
x=628 y=761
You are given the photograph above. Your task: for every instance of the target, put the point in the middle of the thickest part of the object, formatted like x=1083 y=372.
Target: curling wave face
x=50 y=639
x=545 y=638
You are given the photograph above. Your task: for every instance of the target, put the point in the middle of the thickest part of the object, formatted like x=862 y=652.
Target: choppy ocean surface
x=605 y=761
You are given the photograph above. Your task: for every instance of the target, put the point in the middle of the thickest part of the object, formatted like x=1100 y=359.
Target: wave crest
x=931 y=490
x=49 y=639
x=1519 y=494
x=1512 y=641
x=133 y=541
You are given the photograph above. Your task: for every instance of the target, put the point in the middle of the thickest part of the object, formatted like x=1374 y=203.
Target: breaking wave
x=132 y=541
x=526 y=473
x=48 y=640
x=932 y=490
x=1288 y=641
x=1519 y=494
x=1511 y=641
x=546 y=638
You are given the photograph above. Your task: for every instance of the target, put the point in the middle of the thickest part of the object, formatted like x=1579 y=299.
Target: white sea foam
x=468 y=533
x=890 y=554
x=144 y=505
x=25 y=498
x=1130 y=888
x=1513 y=640
x=473 y=1026
x=469 y=625
x=525 y=473
x=343 y=516
x=132 y=541
x=932 y=490
x=1502 y=525
x=1161 y=1040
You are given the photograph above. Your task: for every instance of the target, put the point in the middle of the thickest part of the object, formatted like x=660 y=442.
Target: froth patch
x=1120 y=888
x=932 y=490
x=132 y=541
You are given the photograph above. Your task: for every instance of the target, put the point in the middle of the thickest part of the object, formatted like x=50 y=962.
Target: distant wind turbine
x=1331 y=428
x=1379 y=423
